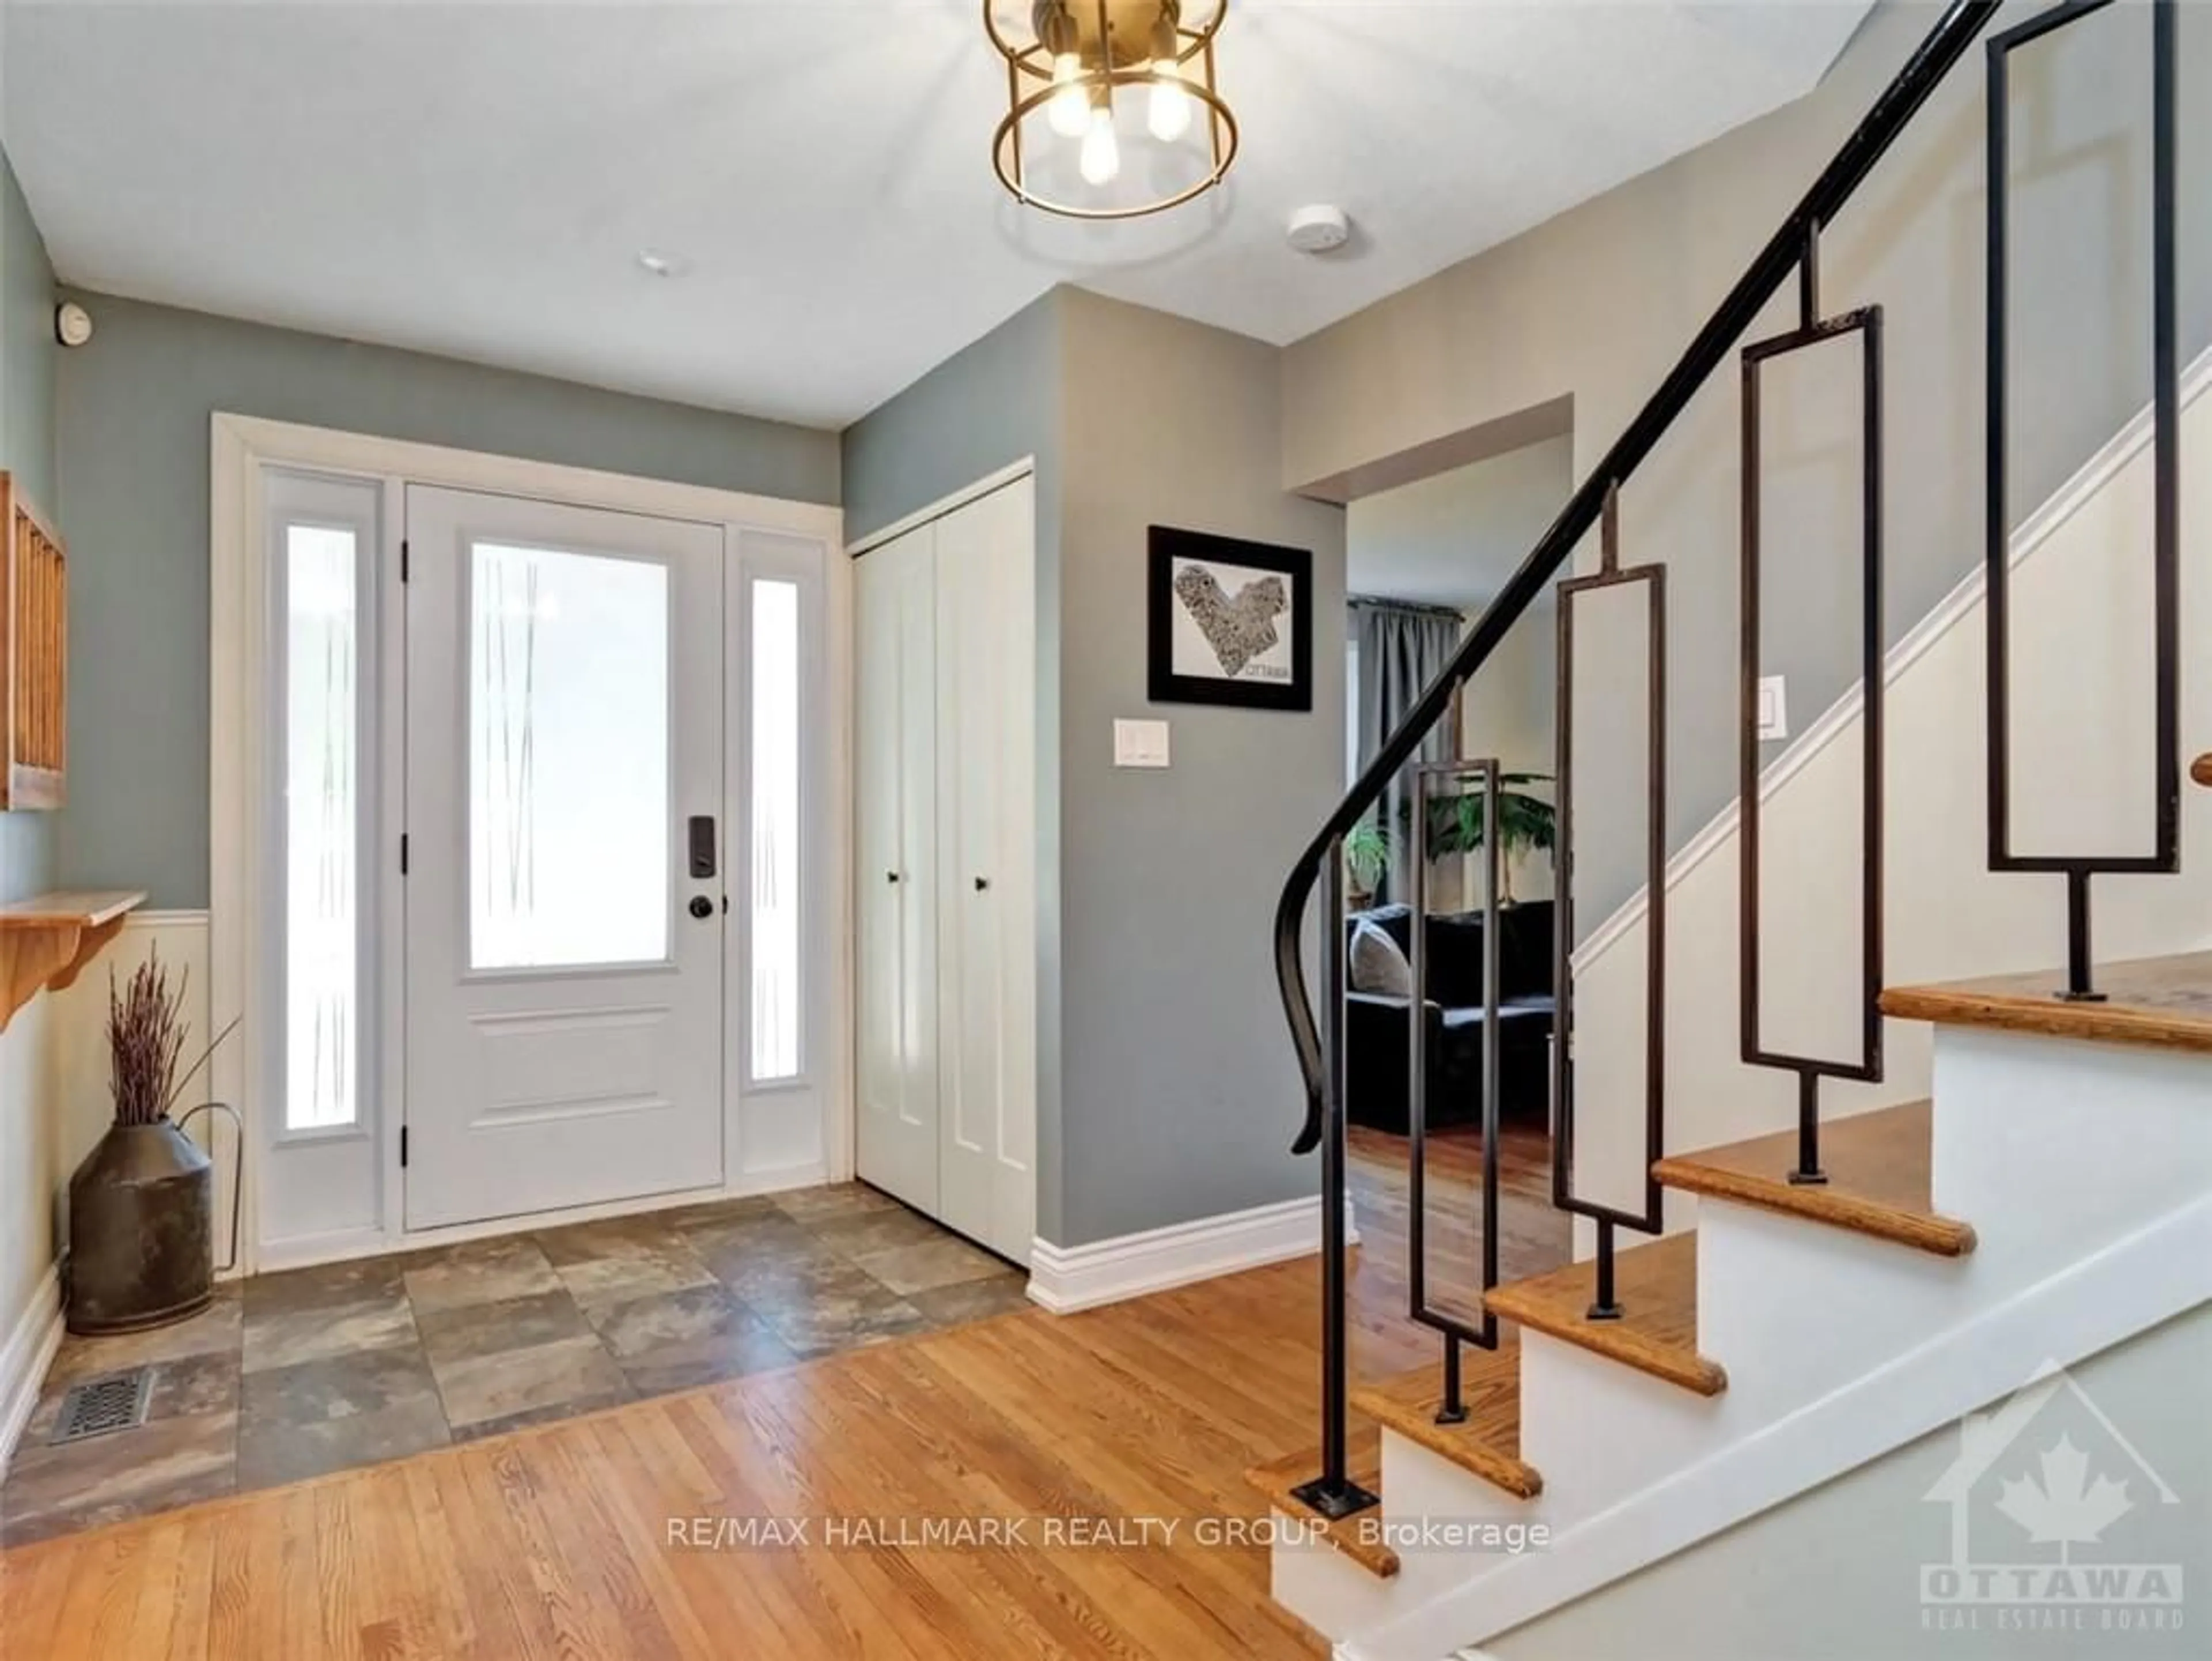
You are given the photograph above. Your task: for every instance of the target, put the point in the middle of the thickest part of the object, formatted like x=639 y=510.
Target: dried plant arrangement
x=146 y=1040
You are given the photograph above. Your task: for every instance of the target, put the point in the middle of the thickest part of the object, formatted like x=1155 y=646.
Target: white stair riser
x=2054 y=1149
x=2051 y=1146
x=1334 y=1595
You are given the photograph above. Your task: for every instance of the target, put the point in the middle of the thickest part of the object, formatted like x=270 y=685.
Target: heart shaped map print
x=1238 y=629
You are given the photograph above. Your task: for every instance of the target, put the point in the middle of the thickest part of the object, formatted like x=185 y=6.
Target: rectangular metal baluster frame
x=1562 y=1072
x=2166 y=403
x=1866 y=323
x=1333 y=1493
x=1425 y=777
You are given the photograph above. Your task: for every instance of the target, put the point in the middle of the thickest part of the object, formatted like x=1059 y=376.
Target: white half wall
x=2082 y=721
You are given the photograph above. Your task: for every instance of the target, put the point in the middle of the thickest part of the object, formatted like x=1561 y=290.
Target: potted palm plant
x=1527 y=825
x=1367 y=848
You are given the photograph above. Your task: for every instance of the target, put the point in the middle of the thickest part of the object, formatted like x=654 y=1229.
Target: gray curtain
x=1401 y=649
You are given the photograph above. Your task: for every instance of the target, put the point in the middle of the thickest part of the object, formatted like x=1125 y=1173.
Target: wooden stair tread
x=1356 y=1536
x=2166 y=1003
x=1878 y=1177
x=1657 y=1286
x=1487 y=1443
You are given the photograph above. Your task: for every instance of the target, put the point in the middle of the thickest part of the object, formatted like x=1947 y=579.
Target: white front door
x=564 y=887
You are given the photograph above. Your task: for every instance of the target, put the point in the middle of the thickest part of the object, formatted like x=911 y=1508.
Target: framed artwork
x=1230 y=622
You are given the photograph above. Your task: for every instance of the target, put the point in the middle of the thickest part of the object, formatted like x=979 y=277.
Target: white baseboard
x=1064 y=1279
x=24 y=1358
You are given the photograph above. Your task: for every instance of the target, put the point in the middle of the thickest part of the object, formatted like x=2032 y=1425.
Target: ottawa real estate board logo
x=2059 y=1524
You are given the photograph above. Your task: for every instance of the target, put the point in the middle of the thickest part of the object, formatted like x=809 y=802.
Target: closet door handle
x=891 y=876
x=982 y=883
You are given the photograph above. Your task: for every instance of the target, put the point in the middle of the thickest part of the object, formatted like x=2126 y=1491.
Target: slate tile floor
x=293 y=1375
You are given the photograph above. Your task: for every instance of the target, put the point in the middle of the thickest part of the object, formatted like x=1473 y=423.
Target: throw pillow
x=1377 y=965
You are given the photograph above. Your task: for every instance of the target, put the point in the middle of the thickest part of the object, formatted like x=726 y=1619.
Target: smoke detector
x=1319 y=228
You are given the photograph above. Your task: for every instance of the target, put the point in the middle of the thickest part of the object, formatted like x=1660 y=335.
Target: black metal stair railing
x=1794 y=249
x=2165 y=487
x=1611 y=575
x=1321 y=1051
x=1483 y=1331
x=1813 y=330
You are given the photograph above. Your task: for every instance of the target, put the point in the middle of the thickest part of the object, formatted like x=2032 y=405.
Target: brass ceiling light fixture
x=1081 y=71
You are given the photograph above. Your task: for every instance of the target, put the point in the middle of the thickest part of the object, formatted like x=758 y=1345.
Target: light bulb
x=1069 y=112
x=1170 y=115
x=1101 y=151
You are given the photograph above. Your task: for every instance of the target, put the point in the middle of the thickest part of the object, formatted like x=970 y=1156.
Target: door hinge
x=402 y=852
x=406 y=558
x=403 y=1147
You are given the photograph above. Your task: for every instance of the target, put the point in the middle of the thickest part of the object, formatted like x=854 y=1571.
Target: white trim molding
x=24 y=1358
x=1064 y=1279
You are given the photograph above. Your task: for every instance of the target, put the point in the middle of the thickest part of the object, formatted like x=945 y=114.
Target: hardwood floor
x=1533 y=1237
x=578 y=1540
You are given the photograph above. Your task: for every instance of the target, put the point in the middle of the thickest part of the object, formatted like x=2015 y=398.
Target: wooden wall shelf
x=46 y=942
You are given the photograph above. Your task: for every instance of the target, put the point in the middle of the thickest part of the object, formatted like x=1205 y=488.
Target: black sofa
x=1377 y=1047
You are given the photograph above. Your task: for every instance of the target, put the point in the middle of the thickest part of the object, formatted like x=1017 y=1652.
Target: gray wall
x=29 y=1134
x=1166 y=1089
x=1180 y=1095
x=993 y=402
x=1597 y=303
x=133 y=440
x=1834 y=1575
x=27 y=450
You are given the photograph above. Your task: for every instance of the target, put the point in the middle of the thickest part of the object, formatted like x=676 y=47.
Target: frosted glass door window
x=322 y=812
x=776 y=990
x=568 y=814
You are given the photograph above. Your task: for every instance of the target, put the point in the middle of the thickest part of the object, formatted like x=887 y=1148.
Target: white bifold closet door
x=947 y=876
x=895 y=1079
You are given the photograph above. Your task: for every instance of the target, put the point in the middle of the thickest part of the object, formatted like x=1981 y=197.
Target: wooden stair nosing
x=1878 y=1178
x=2163 y=1003
x=1348 y=1534
x=1657 y=1287
x=1487 y=1443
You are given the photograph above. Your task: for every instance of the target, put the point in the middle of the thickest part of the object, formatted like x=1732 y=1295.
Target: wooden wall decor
x=34 y=655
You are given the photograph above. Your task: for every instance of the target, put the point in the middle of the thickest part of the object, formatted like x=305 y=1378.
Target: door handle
x=703 y=847
x=891 y=876
x=702 y=907
x=982 y=883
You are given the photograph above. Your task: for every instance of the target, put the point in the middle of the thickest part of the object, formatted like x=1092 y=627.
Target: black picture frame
x=1171 y=550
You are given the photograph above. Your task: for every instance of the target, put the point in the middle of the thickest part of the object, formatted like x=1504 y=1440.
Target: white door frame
x=239 y=702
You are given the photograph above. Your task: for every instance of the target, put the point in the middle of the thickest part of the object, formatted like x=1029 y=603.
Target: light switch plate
x=1140 y=743
x=1773 y=708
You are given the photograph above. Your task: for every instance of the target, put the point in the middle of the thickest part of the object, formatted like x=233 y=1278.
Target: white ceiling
x=477 y=179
